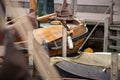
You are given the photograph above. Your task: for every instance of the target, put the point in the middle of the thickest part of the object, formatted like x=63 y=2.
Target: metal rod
x=114 y=56
x=74 y=6
x=106 y=25
x=64 y=42
x=111 y=12
x=114 y=66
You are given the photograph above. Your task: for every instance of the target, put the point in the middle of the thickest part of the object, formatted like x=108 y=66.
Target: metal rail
x=92 y=31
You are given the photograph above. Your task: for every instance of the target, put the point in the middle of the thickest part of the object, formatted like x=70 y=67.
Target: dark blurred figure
x=14 y=66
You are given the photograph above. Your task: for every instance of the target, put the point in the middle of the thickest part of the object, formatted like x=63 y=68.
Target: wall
x=87 y=2
x=93 y=6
